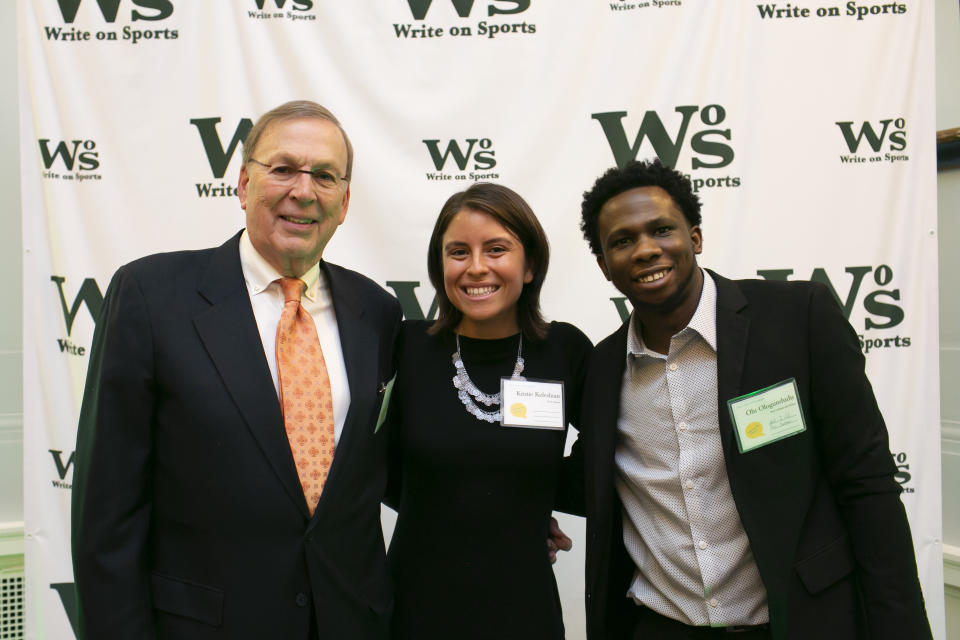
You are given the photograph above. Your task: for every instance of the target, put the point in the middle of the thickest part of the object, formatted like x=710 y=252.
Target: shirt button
x=702 y=544
x=682 y=426
x=301 y=600
x=673 y=366
x=713 y=602
x=689 y=485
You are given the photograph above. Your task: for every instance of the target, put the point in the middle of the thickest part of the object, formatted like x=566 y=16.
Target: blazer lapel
x=359 y=343
x=733 y=329
x=229 y=332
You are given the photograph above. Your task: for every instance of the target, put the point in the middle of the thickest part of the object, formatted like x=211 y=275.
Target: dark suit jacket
x=188 y=516
x=821 y=509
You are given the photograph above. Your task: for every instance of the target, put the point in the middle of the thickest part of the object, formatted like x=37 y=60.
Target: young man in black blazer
x=701 y=523
x=189 y=518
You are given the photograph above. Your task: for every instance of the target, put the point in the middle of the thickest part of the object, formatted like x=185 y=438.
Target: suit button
x=302 y=600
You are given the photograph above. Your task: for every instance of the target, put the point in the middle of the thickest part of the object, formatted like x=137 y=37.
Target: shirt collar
x=260 y=274
x=703 y=322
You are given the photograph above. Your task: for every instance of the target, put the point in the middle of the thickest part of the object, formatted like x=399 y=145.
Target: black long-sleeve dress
x=468 y=553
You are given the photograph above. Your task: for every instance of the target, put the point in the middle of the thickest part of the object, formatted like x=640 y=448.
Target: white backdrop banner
x=807 y=128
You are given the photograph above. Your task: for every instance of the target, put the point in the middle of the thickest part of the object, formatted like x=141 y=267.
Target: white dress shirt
x=266 y=297
x=680 y=523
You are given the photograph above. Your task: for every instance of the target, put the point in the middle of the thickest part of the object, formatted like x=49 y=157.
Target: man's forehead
x=650 y=200
x=304 y=140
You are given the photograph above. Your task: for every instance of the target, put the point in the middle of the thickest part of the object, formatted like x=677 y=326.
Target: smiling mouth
x=480 y=291
x=298 y=220
x=653 y=277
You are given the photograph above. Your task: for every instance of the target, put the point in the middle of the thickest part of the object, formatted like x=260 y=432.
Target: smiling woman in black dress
x=474 y=498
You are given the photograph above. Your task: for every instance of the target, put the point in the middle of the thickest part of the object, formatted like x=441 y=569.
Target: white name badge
x=531 y=403
x=767 y=415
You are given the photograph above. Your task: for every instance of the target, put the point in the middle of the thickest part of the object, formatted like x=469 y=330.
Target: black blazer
x=821 y=509
x=188 y=517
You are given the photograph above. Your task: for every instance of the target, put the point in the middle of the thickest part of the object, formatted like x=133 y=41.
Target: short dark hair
x=506 y=207
x=294 y=110
x=650 y=173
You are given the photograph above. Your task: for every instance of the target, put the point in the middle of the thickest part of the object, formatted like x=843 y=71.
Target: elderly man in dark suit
x=739 y=482
x=229 y=463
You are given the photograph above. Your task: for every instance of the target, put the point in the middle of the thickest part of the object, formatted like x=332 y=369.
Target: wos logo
x=142 y=10
x=895 y=137
x=78 y=159
x=902 y=474
x=709 y=144
x=62 y=469
x=88 y=295
x=464 y=9
x=627 y=5
x=406 y=292
x=476 y=153
x=109 y=8
x=880 y=306
x=295 y=10
x=217 y=156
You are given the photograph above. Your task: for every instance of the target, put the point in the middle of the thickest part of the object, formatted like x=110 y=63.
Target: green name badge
x=767 y=415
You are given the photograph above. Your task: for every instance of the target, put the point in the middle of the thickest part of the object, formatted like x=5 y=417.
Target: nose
x=646 y=249
x=302 y=188
x=478 y=265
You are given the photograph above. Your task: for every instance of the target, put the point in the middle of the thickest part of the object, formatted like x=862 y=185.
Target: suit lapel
x=359 y=343
x=733 y=329
x=229 y=332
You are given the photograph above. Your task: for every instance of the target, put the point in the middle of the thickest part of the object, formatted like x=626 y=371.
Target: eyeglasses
x=286 y=175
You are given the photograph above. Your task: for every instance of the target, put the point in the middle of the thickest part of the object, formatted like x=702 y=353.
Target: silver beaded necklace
x=468 y=392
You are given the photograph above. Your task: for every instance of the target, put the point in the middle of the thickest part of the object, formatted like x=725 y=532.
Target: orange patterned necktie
x=305 y=396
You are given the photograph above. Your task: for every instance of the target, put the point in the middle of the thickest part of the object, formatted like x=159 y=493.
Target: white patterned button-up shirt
x=680 y=524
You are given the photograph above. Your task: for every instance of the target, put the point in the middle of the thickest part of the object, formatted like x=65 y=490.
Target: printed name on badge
x=767 y=415
x=536 y=404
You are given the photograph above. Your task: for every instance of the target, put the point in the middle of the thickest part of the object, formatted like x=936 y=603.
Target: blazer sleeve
x=859 y=468
x=111 y=503
x=571 y=490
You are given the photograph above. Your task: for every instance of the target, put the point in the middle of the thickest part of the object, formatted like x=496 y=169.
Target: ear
x=696 y=237
x=344 y=205
x=242 y=186
x=528 y=274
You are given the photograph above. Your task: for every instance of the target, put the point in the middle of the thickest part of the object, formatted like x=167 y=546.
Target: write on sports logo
x=75 y=160
x=470 y=159
x=290 y=10
x=63 y=463
x=866 y=296
x=459 y=19
x=700 y=132
x=140 y=14
x=89 y=297
x=881 y=141
x=638 y=5
x=218 y=154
